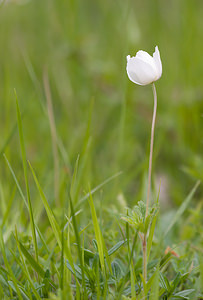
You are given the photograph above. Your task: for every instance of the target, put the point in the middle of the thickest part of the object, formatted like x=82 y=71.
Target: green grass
x=69 y=120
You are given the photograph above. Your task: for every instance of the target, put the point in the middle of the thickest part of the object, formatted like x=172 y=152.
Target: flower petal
x=157 y=61
x=141 y=72
x=143 y=55
x=128 y=58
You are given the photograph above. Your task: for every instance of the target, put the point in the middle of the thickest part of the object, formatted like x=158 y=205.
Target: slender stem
x=144 y=243
x=151 y=148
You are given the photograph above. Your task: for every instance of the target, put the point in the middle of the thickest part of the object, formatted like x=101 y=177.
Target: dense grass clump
x=74 y=151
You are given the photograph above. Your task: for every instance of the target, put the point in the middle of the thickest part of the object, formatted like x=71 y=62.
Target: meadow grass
x=74 y=151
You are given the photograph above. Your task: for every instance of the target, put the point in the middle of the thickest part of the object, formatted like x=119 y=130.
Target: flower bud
x=143 y=68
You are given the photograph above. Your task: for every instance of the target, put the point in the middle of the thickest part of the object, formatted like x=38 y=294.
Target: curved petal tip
x=128 y=58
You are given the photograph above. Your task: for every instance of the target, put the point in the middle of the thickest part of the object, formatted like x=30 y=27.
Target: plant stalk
x=144 y=244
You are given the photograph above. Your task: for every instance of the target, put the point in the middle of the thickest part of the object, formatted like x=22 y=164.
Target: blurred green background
x=82 y=46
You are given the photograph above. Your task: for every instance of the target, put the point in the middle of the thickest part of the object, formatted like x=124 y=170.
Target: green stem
x=149 y=182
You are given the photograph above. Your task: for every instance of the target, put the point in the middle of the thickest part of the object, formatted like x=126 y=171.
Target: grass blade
x=154 y=294
x=151 y=234
x=182 y=208
x=24 y=199
x=50 y=215
x=52 y=220
x=22 y=145
x=23 y=266
x=79 y=247
x=7 y=265
x=97 y=232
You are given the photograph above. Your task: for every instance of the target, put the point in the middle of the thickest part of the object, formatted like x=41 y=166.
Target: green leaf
x=154 y=294
x=164 y=282
x=99 y=238
x=116 y=270
x=116 y=247
x=176 y=281
x=106 y=255
x=167 y=257
x=151 y=235
x=184 y=294
x=24 y=294
x=76 y=271
x=32 y=261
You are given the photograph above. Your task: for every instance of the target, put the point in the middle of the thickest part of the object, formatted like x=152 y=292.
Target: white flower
x=144 y=69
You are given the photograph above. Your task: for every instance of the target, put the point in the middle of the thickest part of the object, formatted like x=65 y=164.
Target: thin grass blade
x=23 y=152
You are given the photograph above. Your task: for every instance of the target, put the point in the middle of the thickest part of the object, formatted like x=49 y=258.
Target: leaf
x=116 y=270
x=164 y=282
x=34 y=264
x=176 y=281
x=32 y=261
x=154 y=294
x=24 y=295
x=184 y=294
x=151 y=235
x=116 y=247
x=76 y=272
x=167 y=257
